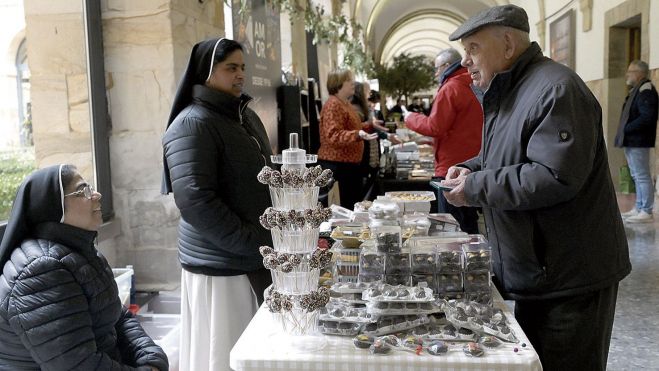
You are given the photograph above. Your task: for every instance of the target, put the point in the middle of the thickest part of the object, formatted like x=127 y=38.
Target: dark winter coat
x=542 y=178
x=60 y=309
x=214 y=150
x=638 y=121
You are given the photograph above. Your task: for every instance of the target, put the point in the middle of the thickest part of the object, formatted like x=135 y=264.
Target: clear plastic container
x=428 y=279
x=449 y=257
x=449 y=282
x=476 y=281
x=397 y=263
x=477 y=256
x=123 y=277
x=296 y=282
x=397 y=279
x=384 y=208
x=297 y=321
x=288 y=198
x=415 y=225
x=423 y=261
x=370 y=278
x=387 y=238
x=371 y=262
x=287 y=241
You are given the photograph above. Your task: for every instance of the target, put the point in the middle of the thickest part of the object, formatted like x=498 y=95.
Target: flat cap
x=505 y=15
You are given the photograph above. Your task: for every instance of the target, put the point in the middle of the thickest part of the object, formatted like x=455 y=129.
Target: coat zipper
x=240 y=116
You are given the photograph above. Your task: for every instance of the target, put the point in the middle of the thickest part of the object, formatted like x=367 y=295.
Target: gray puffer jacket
x=214 y=149
x=60 y=310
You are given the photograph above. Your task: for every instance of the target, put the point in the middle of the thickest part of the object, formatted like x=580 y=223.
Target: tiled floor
x=635 y=339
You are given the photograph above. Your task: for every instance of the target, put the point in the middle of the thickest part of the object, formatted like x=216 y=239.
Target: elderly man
x=636 y=135
x=542 y=178
x=455 y=124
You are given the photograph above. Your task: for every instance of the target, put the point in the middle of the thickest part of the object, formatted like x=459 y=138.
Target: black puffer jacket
x=60 y=310
x=214 y=149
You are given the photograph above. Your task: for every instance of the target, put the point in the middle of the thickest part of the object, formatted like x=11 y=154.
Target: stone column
x=56 y=56
x=146 y=46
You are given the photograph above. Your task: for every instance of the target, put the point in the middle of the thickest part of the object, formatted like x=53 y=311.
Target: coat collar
x=220 y=101
x=67 y=235
x=503 y=81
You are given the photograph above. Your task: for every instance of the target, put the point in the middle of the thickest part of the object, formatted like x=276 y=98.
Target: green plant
x=330 y=29
x=15 y=165
x=406 y=75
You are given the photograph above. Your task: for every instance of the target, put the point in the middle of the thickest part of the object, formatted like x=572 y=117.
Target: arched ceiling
x=417 y=27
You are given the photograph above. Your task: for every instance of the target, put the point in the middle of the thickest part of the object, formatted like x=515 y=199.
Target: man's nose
x=466 y=61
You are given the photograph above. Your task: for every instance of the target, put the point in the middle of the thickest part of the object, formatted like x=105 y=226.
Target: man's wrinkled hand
x=455 y=171
x=456 y=197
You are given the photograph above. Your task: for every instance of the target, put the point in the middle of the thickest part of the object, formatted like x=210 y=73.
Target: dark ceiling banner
x=256 y=27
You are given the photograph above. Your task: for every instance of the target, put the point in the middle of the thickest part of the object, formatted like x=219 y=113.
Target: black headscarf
x=204 y=55
x=39 y=199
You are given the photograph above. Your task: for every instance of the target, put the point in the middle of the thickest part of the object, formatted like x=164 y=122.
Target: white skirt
x=214 y=312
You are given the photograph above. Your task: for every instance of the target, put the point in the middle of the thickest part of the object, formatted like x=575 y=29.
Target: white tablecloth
x=255 y=351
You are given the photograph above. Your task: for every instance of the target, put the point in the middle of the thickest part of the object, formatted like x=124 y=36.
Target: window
x=62 y=88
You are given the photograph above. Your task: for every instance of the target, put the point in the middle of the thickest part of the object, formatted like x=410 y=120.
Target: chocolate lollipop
x=266 y=250
x=276 y=179
x=264 y=175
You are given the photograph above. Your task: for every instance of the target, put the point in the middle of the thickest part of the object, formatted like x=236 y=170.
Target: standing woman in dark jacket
x=59 y=303
x=214 y=148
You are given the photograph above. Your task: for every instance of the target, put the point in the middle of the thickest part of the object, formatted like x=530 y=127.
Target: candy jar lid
x=294 y=157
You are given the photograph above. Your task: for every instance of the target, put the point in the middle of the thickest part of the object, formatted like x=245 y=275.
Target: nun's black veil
x=197 y=72
x=39 y=199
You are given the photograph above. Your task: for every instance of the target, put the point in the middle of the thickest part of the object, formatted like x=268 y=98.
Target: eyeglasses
x=87 y=192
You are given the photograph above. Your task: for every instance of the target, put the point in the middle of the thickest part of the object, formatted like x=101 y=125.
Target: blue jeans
x=639 y=165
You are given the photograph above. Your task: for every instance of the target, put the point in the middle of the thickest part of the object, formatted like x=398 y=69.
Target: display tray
x=351 y=236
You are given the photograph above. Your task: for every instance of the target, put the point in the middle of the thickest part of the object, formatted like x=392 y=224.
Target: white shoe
x=641 y=217
x=632 y=212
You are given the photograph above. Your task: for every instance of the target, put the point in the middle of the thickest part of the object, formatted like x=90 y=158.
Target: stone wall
x=146 y=45
x=56 y=57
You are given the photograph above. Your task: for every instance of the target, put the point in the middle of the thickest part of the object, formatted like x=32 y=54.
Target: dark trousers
x=259 y=280
x=466 y=216
x=571 y=333
x=349 y=176
x=370 y=175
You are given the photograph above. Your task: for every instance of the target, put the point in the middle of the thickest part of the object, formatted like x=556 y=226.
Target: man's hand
x=455 y=171
x=456 y=197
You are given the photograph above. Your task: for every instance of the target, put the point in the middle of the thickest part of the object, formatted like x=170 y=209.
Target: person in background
x=637 y=133
x=342 y=137
x=455 y=123
x=415 y=106
x=371 y=160
x=396 y=109
x=542 y=178
x=373 y=101
x=214 y=147
x=60 y=303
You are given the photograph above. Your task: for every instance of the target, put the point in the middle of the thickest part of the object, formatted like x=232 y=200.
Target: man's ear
x=510 y=45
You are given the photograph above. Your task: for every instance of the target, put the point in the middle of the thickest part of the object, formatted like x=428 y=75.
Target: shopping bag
x=625 y=180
